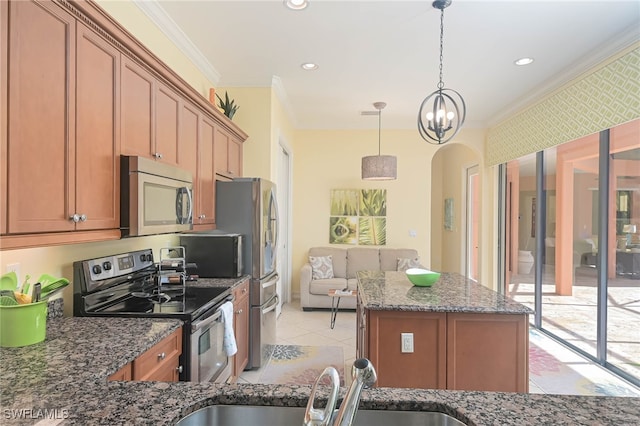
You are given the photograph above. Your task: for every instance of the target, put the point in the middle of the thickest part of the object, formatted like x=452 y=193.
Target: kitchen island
x=65 y=378
x=455 y=334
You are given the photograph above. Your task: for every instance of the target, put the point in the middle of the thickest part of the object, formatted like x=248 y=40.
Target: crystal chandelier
x=442 y=113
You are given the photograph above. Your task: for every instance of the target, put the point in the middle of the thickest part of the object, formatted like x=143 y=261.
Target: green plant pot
x=23 y=325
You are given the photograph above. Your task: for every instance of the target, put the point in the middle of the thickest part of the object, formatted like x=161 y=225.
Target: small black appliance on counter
x=218 y=254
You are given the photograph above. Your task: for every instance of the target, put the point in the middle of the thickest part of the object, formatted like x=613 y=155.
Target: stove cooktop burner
x=128 y=284
x=152 y=297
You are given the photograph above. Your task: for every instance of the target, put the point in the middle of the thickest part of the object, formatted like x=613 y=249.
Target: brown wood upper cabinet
x=204 y=216
x=151 y=114
x=63 y=128
x=228 y=154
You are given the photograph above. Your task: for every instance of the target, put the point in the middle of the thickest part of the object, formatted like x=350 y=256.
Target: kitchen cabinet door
x=234 y=158
x=136 y=103
x=41 y=126
x=167 y=111
x=188 y=140
x=205 y=212
x=97 y=132
x=425 y=366
x=228 y=155
x=161 y=362
x=221 y=155
x=488 y=352
x=241 y=327
x=124 y=374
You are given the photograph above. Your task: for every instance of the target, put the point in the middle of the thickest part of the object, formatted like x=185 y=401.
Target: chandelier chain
x=441 y=83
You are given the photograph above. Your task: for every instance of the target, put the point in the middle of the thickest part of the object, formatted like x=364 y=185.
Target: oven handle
x=268 y=309
x=203 y=323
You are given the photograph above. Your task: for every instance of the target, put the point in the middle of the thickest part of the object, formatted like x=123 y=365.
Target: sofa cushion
x=322 y=287
x=321 y=267
x=389 y=257
x=338 y=258
x=362 y=259
x=406 y=263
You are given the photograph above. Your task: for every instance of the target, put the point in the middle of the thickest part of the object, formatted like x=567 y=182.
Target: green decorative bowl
x=422 y=277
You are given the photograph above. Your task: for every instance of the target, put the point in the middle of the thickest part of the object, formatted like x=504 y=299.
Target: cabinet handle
x=162 y=356
x=83 y=218
x=244 y=290
x=75 y=218
x=239 y=311
x=157 y=155
x=179 y=369
x=202 y=216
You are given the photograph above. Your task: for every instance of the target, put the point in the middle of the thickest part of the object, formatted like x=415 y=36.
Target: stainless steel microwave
x=155 y=198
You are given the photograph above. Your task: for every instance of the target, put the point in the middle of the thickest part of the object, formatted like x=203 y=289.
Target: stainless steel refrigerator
x=248 y=206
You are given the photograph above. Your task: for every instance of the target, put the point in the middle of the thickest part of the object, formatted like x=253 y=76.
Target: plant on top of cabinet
x=229 y=107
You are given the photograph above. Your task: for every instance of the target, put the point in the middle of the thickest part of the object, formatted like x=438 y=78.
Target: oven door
x=209 y=362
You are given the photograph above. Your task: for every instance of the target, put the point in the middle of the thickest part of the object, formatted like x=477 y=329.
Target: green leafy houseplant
x=229 y=107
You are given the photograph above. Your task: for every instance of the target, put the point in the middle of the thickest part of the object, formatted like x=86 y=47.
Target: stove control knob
x=97 y=269
x=143 y=257
x=106 y=266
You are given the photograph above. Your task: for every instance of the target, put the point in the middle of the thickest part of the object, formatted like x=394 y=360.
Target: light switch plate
x=407 y=342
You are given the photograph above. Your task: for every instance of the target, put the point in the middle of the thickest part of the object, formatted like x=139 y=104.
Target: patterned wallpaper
x=608 y=96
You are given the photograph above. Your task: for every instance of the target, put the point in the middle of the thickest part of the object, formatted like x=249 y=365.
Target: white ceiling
x=387 y=51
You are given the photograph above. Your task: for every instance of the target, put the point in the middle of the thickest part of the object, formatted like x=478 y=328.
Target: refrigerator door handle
x=271 y=282
x=274 y=226
x=272 y=306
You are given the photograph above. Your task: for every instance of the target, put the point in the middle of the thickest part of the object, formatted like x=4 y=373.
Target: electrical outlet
x=407 y=342
x=14 y=267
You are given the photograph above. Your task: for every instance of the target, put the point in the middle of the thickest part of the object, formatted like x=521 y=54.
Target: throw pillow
x=404 y=263
x=321 y=267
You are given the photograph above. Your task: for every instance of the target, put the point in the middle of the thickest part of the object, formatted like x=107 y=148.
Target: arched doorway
x=455 y=210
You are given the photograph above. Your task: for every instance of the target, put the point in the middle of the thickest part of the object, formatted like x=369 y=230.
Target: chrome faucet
x=363 y=374
x=314 y=416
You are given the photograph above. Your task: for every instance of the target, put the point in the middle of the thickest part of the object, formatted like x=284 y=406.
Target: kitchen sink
x=234 y=415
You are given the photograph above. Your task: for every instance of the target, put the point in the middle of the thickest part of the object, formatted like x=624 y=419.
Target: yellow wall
x=326 y=160
x=448 y=174
x=127 y=14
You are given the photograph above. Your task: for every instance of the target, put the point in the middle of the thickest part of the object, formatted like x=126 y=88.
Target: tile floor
x=296 y=327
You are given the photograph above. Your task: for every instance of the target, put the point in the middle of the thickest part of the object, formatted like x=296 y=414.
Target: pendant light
x=442 y=113
x=379 y=167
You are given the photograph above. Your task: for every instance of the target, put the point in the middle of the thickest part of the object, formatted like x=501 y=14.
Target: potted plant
x=229 y=107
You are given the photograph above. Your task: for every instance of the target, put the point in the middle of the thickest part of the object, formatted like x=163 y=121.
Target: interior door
x=284 y=191
x=473 y=222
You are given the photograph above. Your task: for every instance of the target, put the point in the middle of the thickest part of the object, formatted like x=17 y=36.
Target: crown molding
x=157 y=15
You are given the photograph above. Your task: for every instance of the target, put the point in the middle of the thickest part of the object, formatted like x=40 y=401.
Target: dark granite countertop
x=65 y=376
x=217 y=282
x=392 y=290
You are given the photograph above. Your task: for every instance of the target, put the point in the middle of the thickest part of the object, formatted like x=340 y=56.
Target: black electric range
x=129 y=285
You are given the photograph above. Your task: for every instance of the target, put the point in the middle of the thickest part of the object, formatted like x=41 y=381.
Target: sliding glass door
x=623 y=289
x=584 y=283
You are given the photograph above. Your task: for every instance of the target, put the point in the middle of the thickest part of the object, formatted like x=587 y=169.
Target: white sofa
x=346 y=262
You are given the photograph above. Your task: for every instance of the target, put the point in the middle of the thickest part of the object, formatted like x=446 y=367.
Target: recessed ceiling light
x=309 y=66
x=296 y=4
x=523 y=61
